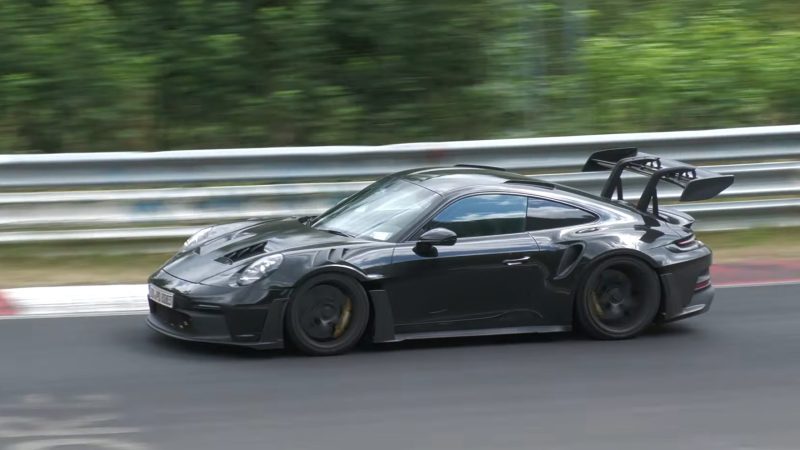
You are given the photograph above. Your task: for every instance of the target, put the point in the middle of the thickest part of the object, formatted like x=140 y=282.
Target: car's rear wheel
x=327 y=315
x=618 y=299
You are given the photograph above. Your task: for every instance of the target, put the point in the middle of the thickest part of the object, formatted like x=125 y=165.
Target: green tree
x=65 y=82
x=99 y=75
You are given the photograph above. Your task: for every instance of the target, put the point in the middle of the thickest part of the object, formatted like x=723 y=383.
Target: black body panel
x=468 y=285
x=518 y=282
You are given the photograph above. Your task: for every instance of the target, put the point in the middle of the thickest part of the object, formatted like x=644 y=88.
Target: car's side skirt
x=482 y=332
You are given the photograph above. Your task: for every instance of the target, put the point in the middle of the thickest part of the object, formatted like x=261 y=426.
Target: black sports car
x=441 y=252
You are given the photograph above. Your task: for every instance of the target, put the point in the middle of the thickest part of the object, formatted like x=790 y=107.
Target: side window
x=483 y=215
x=546 y=214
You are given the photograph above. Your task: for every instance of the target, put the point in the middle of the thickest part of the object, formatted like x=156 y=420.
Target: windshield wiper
x=333 y=231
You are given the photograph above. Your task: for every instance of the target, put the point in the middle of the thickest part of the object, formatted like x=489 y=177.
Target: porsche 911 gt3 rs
x=448 y=251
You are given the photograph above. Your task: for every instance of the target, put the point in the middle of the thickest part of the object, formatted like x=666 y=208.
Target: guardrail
x=283 y=165
x=177 y=211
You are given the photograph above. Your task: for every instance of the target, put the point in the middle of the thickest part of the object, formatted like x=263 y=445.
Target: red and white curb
x=74 y=300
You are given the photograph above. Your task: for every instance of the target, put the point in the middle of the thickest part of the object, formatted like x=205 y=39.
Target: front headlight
x=260 y=269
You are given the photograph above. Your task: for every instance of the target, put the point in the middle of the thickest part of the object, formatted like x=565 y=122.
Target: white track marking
x=74 y=315
x=37 y=428
x=87 y=443
x=24 y=427
x=757 y=284
x=48 y=402
x=78 y=300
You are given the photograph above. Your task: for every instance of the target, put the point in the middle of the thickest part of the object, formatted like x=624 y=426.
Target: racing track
x=727 y=380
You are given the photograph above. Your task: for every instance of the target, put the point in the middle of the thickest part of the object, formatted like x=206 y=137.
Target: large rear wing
x=697 y=184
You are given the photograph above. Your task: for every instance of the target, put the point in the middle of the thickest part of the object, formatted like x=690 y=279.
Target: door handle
x=516 y=262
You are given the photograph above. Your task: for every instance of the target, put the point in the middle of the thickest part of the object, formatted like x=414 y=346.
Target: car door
x=487 y=279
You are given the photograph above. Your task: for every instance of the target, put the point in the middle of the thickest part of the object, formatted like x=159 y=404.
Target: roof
x=445 y=179
x=448 y=180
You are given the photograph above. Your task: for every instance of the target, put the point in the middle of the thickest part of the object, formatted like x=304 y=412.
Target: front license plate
x=160 y=296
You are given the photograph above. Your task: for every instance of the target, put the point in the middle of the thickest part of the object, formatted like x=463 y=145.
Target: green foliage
x=678 y=70
x=66 y=82
x=100 y=75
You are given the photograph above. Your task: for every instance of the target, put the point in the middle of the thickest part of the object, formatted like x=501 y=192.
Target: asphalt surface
x=727 y=380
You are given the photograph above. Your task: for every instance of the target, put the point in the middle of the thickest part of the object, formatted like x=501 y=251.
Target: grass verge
x=74 y=263
x=756 y=244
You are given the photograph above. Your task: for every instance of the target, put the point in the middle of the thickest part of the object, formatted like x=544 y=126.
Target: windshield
x=380 y=211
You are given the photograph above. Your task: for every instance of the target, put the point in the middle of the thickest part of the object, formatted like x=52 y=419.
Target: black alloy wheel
x=327 y=315
x=618 y=299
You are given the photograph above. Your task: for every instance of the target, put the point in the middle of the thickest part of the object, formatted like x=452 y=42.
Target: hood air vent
x=243 y=253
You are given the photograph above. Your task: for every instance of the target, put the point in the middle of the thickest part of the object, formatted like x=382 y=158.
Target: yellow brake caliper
x=596 y=304
x=345 y=319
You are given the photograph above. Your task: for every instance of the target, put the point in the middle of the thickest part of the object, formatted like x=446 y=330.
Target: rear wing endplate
x=697 y=184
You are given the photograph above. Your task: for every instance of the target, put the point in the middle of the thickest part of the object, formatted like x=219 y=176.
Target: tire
x=327 y=315
x=618 y=299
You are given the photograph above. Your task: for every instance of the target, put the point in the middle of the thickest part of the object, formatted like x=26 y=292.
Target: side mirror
x=437 y=236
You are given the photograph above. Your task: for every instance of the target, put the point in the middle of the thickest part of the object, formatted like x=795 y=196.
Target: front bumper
x=249 y=317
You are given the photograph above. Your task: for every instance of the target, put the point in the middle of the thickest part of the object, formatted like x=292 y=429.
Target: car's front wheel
x=327 y=315
x=619 y=299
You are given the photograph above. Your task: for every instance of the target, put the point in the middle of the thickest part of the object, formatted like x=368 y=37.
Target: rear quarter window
x=546 y=214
